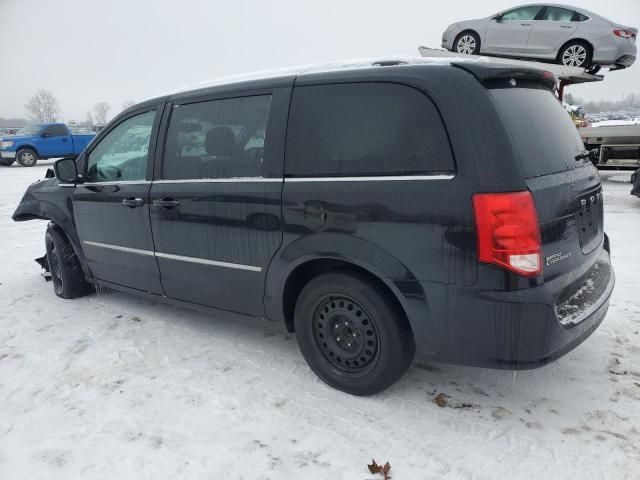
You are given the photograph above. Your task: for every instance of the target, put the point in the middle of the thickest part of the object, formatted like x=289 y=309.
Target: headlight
x=7 y=144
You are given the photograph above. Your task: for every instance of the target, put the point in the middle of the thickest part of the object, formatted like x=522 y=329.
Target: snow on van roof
x=324 y=67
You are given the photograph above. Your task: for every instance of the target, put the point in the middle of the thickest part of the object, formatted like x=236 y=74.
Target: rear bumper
x=613 y=51
x=516 y=330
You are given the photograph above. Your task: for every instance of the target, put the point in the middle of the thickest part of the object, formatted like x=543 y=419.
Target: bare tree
x=43 y=106
x=128 y=103
x=89 y=120
x=100 y=112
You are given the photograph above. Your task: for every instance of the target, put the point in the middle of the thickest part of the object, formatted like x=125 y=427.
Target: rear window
x=541 y=130
x=365 y=129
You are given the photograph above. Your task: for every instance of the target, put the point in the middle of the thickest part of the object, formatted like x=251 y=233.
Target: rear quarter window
x=541 y=131
x=365 y=129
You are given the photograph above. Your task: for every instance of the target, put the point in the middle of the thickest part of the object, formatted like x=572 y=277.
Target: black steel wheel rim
x=346 y=334
x=55 y=267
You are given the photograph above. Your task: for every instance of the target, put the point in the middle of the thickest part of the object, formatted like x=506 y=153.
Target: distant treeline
x=629 y=102
x=13 y=122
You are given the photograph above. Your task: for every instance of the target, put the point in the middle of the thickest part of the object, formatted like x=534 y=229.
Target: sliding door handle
x=166 y=203
x=132 y=202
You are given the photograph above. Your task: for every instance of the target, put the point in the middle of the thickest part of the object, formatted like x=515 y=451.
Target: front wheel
x=64 y=266
x=27 y=157
x=575 y=54
x=467 y=43
x=351 y=333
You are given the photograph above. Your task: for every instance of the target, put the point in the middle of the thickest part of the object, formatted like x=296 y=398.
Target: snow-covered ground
x=116 y=387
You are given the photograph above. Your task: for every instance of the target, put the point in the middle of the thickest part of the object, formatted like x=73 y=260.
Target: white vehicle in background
x=571 y=36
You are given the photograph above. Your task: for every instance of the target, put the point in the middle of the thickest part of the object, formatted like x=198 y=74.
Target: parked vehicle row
x=359 y=207
x=567 y=35
x=42 y=141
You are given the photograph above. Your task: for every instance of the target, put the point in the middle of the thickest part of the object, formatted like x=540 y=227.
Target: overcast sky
x=114 y=50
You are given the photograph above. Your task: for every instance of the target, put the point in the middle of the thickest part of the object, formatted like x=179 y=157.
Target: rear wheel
x=64 y=266
x=575 y=54
x=351 y=333
x=467 y=43
x=27 y=157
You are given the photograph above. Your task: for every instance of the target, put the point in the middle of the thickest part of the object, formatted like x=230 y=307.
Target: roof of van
x=481 y=67
x=326 y=67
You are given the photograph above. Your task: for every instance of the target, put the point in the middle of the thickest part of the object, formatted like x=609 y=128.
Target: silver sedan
x=571 y=36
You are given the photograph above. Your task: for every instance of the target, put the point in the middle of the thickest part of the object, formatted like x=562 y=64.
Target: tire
x=352 y=334
x=64 y=266
x=27 y=157
x=575 y=54
x=593 y=69
x=6 y=162
x=468 y=43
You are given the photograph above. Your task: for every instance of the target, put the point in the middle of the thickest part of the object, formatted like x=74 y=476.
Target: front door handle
x=132 y=202
x=526 y=24
x=565 y=26
x=166 y=203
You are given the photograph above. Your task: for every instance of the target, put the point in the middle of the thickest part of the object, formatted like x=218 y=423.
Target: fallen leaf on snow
x=382 y=470
x=441 y=400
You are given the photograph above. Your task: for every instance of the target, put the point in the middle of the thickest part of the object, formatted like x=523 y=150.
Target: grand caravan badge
x=557 y=257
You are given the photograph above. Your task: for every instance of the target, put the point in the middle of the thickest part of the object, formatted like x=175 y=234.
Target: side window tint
x=361 y=129
x=523 y=13
x=556 y=14
x=55 y=131
x=217 y=139
x=122 y=154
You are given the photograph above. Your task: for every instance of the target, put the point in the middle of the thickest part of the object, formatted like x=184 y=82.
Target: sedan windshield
x=30 y=129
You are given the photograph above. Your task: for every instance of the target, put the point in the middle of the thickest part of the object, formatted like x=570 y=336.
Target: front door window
x=123 y=153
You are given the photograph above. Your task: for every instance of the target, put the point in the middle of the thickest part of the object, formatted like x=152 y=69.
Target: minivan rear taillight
x=508 y=231
x=624 y=33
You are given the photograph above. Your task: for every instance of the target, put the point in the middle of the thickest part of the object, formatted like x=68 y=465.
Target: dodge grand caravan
x=374 y=210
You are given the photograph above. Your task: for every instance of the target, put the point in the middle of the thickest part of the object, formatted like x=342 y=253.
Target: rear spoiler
x=493 y=73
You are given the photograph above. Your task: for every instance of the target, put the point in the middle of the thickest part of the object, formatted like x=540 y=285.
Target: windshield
x=30 y=129
x=541 y=130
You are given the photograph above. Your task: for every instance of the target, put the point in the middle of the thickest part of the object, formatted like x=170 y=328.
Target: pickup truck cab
x=41 y=141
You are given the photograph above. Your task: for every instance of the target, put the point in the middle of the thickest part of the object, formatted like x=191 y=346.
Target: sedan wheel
x=467 y=44
x=575 y=55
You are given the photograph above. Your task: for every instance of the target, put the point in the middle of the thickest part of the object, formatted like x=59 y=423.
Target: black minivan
x=375 y=210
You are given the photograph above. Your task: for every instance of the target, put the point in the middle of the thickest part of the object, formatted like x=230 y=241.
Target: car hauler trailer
x=617 y=145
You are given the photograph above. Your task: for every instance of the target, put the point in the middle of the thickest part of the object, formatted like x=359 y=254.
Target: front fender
x=45 y=200
x=24 y=143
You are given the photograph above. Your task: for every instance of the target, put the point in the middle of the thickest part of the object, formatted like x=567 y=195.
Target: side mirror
x=66 y=170
x=45 y=135
x=498 y=17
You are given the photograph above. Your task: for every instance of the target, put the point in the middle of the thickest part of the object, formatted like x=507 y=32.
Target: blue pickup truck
x=41 y=141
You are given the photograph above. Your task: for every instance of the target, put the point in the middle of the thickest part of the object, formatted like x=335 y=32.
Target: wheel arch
x=308 y=269
x=468 y=30
x=29 y=147
x=581 y=40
